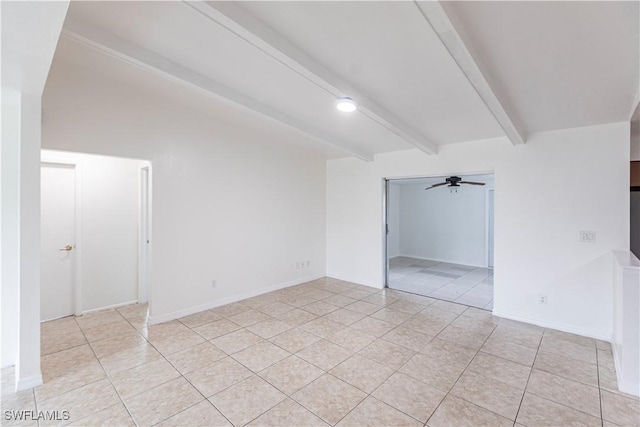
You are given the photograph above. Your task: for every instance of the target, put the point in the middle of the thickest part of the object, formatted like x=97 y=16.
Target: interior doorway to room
x=439 y=237
x=95 y=233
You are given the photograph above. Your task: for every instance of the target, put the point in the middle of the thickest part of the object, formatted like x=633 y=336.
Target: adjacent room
x=373 y=213
x=440 y=237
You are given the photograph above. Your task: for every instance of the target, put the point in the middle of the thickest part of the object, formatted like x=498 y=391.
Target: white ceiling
x=560 y=64
x=554 y=66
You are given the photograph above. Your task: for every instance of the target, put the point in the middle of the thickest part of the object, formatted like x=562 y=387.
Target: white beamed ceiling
x=389 y=53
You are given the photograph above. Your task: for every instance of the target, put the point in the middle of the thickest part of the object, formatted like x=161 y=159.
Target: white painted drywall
x=393 y=219
x=548 y=190
x=108 y=243
x=232 y=202
x=441 y=225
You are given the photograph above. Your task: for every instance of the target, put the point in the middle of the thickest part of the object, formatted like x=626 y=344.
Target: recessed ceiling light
x=346 y=105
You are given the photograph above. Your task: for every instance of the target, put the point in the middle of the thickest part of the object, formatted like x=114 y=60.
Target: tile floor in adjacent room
x=323 y=353
x=472 y=286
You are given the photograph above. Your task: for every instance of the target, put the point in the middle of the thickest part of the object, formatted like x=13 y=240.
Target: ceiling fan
x=453 y=182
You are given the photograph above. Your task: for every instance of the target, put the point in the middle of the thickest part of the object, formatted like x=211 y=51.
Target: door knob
x=66 y=248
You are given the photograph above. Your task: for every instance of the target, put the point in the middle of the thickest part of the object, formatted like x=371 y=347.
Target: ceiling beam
x=167 y=69
x=437 y=18
x=244 y=25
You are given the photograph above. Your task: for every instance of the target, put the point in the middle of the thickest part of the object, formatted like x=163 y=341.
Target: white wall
x=443 y=226
x=108 y=243
x=393 y=219
x=548 y=190
x=232 y=202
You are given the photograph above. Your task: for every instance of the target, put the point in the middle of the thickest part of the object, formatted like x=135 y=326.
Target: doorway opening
x=439 y=237
x=95 y=234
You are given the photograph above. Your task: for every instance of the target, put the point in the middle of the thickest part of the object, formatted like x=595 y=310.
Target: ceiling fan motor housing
x=453 y=181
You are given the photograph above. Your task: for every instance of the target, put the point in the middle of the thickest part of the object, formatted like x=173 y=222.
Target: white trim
x=108 y=307
x=144 y=221
x=624 y=386
x=153 y=320
x=552 y=325
x=29 y=382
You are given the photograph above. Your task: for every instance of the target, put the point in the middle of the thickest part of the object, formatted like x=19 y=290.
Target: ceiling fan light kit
x=453 y=182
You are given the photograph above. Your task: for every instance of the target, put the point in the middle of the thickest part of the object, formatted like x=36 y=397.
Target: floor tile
x=291 y=374
x=247 y=400
x=621 y=410
x=216 y=329
x=329 y=398
x=199 y=319
x=82 y=401
x=195 y=357
x=217 y=376
x=162 y=402
x=230 y=309
x=506 y=371
x=441 y=374
x=351 y=339
x=248 y=318
x=202 y=414
x=287 y=414
x=509 y=350
x=296 y=317
x=408 y=338
x=130 y=358
x=446 y=351
x=324 y=355
x=261 y=356
x=564 y=391
x=319 y=308
x=567 y=348
x=116 y=415
x=464 y=337
x=116 y=344
x=322 y=327
x=295 y=340
x=410 y=396
x=454 y=411
x=344 y=317
x=489 y=393
x=144 y=377
x=236 y=341
x=269 y=328
x=373 y=413
x=372 y=326
x=362 y=373
x=560 y=365
x=536 y=411
x=387 y=353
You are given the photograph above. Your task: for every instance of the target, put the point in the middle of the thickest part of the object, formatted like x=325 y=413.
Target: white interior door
x=57 y=247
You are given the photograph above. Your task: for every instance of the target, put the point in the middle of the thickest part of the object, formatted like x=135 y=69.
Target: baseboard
x=623 y=386
x=108 y=307
x=442 y=260
x=154 y=320
x=29 y=382
x=551 y=325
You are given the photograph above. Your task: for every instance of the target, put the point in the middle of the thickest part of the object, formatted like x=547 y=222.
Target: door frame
x=144 y=236
x=77 y=229
x=385 y=207
x=490 y=233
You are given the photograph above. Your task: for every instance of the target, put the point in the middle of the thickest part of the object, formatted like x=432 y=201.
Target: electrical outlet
x=213 y=283
x=542 y=299
x=588 y=236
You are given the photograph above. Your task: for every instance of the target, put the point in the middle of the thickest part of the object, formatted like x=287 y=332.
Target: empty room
x=318 y=213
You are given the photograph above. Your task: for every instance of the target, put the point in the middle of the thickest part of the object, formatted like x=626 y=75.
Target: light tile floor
x=472 y=286
x=325 y=352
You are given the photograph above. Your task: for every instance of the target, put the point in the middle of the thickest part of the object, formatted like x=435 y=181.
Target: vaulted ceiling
x=424 y=74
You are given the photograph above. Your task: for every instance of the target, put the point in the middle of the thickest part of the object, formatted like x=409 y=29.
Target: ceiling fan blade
x=471 y=182
x=436 y=185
